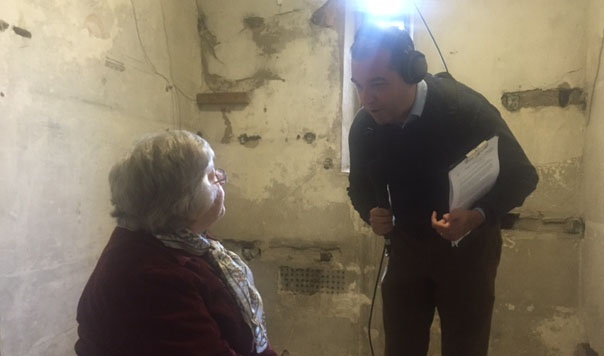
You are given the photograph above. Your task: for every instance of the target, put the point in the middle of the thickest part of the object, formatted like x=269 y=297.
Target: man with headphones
x=412 y=128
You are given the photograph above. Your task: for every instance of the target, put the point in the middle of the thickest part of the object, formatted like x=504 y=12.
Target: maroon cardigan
x=146 y=299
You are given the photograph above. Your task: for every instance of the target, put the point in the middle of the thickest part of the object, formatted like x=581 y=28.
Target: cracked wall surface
x=79 y=82
x=276 y=149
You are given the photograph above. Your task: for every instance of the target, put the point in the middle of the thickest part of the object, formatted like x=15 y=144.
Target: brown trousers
x=426 y=273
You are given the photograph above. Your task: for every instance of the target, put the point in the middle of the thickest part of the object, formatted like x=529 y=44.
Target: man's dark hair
x=371 y=38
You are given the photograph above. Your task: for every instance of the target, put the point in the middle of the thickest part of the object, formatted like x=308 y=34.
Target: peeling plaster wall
x=76 y=89
x=288 y=173
x=501 y=46
x=592 y=257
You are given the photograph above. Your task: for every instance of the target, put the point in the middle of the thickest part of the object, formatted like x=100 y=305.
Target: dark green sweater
x=414 y=161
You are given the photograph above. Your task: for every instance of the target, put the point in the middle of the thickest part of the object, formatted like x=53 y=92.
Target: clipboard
x=473 y=153
x=474 y=176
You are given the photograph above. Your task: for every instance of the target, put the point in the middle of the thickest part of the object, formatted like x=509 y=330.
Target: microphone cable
x=377 y=280
x=431 y=36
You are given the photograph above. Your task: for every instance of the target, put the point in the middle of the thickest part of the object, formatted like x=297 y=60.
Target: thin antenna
x=431 y=36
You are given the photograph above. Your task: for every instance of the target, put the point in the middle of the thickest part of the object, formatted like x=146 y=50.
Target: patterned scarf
x=235 y=273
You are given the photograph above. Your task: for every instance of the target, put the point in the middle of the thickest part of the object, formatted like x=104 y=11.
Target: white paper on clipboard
x=474 y=177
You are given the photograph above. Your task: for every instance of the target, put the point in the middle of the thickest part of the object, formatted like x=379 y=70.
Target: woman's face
x=217 y=209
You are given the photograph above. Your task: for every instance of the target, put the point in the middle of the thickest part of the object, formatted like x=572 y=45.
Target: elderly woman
x=162 y=286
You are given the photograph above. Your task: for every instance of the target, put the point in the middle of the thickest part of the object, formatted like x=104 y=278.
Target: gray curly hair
x=162 y=184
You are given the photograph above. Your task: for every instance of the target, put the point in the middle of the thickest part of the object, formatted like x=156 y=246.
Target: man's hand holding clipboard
x=469 y=180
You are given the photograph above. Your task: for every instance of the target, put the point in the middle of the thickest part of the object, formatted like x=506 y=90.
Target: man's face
x=382 y=91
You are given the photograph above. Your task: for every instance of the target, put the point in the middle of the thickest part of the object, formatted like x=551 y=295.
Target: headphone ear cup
x=414 y=67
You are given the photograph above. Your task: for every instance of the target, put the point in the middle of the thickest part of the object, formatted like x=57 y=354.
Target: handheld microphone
x=379 y=181
x=376 y=169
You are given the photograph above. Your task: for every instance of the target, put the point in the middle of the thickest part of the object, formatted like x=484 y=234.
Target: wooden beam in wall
x=223 y=99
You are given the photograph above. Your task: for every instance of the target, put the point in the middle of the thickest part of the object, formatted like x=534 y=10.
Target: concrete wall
x=592 y=252
x=75 y=90
x=505 y=47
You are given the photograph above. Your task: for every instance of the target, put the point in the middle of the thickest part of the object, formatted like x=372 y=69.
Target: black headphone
x=413 y=67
